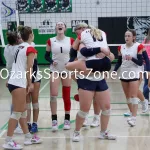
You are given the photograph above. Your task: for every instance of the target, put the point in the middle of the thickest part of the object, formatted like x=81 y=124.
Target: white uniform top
x=60 y=53
x=129 y=70
x=9 y=53
x=18 y=73
x=87 y=40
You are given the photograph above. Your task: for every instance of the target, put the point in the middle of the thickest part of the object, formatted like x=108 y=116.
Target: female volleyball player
x=33 y=97
x=130 y=58
x=17 y=83
x=9 y=53
x=92 y=38
x=59 y=46
x=91 y=88
x=143 y=101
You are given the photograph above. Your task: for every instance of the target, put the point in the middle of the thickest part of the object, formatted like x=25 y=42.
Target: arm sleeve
x=118 y=64
x=139 y=60
x=146 y=59
x=35 y=68
x=48 y=58
x=87 y=52
x=73 y=55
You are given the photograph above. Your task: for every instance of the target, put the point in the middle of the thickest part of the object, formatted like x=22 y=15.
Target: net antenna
x=1 y=30
x=17 y=14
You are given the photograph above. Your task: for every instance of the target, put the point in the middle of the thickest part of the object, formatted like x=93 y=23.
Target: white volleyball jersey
x=18 y=73
x=129 y=69
x=9 y=53
x=88 y=41
x=60 y=52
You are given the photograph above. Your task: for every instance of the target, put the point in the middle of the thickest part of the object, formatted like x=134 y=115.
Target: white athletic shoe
x=18 y=130
x=86 y=122
x=54 y=125
x=106 y=135
x=129 y=119
x=144 y=106
x=66 y=125
x=76 y=136
x=33 y=140
x=12 y=145
x=132 y=121
x=95 y=122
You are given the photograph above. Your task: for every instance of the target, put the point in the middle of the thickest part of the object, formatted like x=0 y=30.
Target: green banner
x=23 y=6
x=65 y=6
x=44 y=6
x=37 y=6
x=51 y=6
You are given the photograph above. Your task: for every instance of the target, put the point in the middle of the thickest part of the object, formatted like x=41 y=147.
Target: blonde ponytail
x=95 y=32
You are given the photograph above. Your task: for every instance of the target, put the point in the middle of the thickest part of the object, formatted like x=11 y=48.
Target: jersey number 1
x=61 y=50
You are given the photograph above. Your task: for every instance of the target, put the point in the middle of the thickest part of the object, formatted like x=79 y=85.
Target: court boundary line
x=84 y=137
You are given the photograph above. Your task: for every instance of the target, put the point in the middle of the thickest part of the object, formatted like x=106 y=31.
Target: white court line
x=3 y=132
x=44 y=86
x=85 y=137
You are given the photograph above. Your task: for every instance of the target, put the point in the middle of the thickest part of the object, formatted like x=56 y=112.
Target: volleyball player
x=19 y=87
x=130 y=58
x=92 y=88
x=33 y=97
x=59 y=47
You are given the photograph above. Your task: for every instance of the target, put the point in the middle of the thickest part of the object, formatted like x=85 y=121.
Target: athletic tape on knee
x=24 y=114
x=28 y=105
x=135 y=100
x=129 y=101
x=35 y=106
x=53 y=98
x=16 y=115
x=82 y=114
x=106 y=112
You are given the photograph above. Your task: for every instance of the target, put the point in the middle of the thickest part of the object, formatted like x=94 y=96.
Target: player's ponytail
x=95 y=32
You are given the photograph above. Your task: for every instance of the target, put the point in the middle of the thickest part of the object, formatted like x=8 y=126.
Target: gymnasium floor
x=128 y=138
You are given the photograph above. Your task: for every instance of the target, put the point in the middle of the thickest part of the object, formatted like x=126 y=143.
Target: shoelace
x=54 y=123
x=67 y=122
x=35 y=137
x=76 y=133
x=13 y=144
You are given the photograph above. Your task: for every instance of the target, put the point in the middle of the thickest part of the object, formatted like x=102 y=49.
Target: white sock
x=96 y=116
x=8 y=139
x=28 y=135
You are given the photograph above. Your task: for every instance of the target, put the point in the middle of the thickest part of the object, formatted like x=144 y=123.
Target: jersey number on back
x=16 y=54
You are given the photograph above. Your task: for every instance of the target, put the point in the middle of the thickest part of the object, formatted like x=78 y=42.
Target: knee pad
x=82 y=114
x=35 y=106
x=24 y=114
x=106 y=112
x=28 y=106
x=16 y=115
x=135 y=100
x=53 y=98
x=129 y=101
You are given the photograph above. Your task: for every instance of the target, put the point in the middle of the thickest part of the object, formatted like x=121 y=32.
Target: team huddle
x=89 y=51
